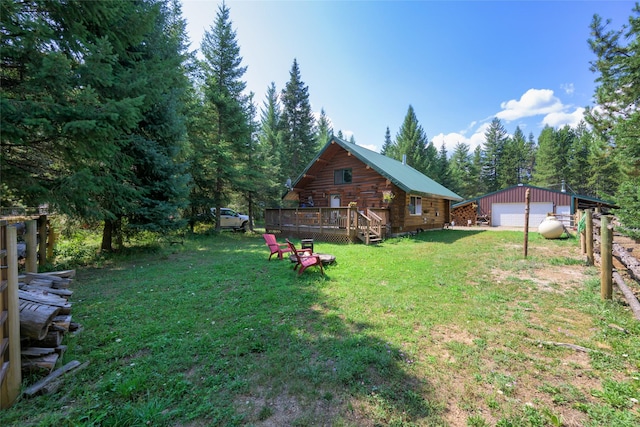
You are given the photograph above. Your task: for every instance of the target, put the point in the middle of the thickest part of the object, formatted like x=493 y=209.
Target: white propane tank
x=551 y=228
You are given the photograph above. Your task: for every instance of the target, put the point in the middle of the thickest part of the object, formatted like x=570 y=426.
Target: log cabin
x=349 y=193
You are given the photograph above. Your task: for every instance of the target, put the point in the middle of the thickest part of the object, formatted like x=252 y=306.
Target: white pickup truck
x=231 y=219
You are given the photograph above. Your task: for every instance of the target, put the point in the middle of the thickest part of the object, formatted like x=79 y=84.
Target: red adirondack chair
x=304 y=259
x=274 y=246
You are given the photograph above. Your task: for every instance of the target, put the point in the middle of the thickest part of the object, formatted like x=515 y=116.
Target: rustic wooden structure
x=10 y=370
x=45 y=316
x=506 y=207
x=35 y=232
x=349 y=193
x=608 y=249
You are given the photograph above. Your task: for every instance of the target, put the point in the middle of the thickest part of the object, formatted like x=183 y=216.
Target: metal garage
x=512 y=214
x=506 y=207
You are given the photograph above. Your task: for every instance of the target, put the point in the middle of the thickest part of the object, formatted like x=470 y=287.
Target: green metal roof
x=400 y=174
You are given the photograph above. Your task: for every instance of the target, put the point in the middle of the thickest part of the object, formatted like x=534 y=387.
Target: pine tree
x=492 y=152
x=411 y=141
x=158 y=150
x=578 y=160
x=442 y=173
x=546 y=171
x=616 y=121
x=270 y=142
x=460 y=167
x=514 y=160
x=386 y=146
x=299 y=142
x=226 y=109
x=324 y=130
x=552 y=158
x=254 y=173
x=73 y=97
x=479 y=187
x=604 y=170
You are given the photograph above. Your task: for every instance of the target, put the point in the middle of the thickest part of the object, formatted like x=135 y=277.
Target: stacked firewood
x=45 y=317
x=465 y=215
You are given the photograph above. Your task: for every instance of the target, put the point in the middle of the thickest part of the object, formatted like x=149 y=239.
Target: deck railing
x=337 y=224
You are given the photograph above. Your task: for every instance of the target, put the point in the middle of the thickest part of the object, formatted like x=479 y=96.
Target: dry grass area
x=539 y=367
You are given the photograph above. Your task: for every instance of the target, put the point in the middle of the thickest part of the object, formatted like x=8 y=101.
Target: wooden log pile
x=465 y=215
x=45 y=317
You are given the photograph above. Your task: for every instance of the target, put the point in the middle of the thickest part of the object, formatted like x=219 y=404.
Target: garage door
x=512 y=214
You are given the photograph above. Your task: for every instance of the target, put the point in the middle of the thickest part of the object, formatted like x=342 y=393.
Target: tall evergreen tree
x=442 y=173
x=604 y=169
x=77 y=89
x=270 y=143
x=411 y=141
x=461 y=171
x=578 y=160
x=254 y=171
x=299 y=142
x=386 y=146
x=492 y=152
x=552 y=158
x=158 y=149
x=477 y=160
x=324 y=130
x=226 y=109
x=514 y=160
x=616 y=121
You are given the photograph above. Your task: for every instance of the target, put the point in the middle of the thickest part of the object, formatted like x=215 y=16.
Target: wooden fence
x=36 y=239
x=10 y=362
x=596 y=230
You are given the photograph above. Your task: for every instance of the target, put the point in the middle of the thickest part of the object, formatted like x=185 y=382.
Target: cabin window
x=415 y=205
x=342 y=176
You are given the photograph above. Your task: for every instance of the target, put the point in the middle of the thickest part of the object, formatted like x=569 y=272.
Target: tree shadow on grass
x=311 y=365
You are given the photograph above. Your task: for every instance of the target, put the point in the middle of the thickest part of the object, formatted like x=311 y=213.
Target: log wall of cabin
x=435 y=213
x=366 y=186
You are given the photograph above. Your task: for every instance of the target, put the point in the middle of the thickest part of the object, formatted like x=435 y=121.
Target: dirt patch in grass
x=491 y=373
x=283 y=409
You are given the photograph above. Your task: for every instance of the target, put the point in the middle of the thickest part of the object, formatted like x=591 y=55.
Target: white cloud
x=532 y=103
x=560 y=119
x=568 y=88
x=370 y=147
x=450 y=140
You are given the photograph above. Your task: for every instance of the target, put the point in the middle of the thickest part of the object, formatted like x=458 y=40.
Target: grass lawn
x=446 y=328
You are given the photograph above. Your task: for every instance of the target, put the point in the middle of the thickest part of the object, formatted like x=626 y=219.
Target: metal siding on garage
x=512 y=214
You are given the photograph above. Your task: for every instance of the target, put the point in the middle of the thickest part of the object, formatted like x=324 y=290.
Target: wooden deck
x=340 y=225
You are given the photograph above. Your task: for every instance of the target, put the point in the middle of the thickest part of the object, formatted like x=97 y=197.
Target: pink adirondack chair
x=304 y=259
x=274 y=246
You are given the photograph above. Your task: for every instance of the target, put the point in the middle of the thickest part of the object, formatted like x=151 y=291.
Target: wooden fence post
x=527 y=198
x=51 y=241
x=583 y=242
x=10 y=359
x=588 y=234
x=31 y=264
x=42 y=241
x=606 y=259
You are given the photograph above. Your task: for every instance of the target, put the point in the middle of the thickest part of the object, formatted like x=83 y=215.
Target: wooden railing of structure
x=597 y=230
x=340 y=225
x=10 y=362
x=39 y=237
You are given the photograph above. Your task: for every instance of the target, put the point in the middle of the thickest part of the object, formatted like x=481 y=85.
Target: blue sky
x=458 y=63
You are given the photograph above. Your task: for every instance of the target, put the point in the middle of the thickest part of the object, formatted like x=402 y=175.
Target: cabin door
x=335 y=200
